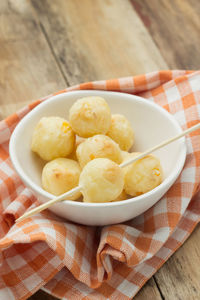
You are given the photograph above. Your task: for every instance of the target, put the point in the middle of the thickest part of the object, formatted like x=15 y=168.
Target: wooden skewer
x=176 y=137
x=41 y=207
x=124 y=164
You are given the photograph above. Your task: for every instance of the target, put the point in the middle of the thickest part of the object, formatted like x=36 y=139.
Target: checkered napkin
x=72 y=261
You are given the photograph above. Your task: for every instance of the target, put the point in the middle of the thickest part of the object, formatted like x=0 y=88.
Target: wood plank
x=179 y=278
x=93 y=40
x=149 y=291
x=28 y=69
x=41 y=295
x=174 y=26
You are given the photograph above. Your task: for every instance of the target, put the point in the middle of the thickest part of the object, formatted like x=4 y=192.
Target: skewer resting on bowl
x=122 y=165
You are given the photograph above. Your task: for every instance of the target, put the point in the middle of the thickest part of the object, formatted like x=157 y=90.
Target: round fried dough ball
x=89 y=116
x=121 y=132
x=143 y=175
x=53 y=137
x=101 y=180
x=61 y=175
x=98 y=146
x=123 y=196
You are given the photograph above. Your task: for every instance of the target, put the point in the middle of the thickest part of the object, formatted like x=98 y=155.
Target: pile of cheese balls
x=87 y=151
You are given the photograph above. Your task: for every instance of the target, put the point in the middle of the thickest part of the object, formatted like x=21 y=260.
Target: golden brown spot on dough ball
x=138 y=193
x=65 y=127
x=70 y=177
x=87 y=111
x=107 y=145
x=110 y=173
x=156 y=172
x=92 y=156
x=57 y=173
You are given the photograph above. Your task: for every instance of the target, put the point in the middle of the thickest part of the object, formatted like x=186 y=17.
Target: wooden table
x=47 y=45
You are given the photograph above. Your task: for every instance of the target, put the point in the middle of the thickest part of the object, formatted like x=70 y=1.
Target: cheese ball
x=98 y=146
x=143 y=175
x=101 y=180
x=121 y=132
x=61 y=175
x=52 y=137
x=123 y=196
x=90 y=116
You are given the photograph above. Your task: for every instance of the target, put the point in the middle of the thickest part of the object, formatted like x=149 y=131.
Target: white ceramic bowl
x=151 y=124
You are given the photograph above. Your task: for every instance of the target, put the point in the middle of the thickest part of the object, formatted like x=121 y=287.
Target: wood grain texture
x=27 y=68
x=149 y=291
x=174 y=26
x=179 y=278
x=93 y=40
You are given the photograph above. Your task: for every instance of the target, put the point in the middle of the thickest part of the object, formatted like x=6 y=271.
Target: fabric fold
x=113 y=262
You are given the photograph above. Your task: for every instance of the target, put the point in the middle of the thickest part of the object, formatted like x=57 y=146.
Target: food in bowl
x=123 y=196
x=89 y=116
x=99 y=155
x=98 y=146
x=142 y=175
x=52 y=137
x=61 y=175
x=138 y=111
x=121 y=131
x=101 y=180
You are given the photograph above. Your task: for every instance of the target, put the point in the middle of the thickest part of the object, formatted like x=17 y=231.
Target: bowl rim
x=37 y=189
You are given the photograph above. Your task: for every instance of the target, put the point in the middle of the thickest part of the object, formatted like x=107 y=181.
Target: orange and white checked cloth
x=72 y=261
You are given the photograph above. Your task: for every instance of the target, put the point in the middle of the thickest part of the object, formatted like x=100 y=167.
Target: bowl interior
x=151 y=124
